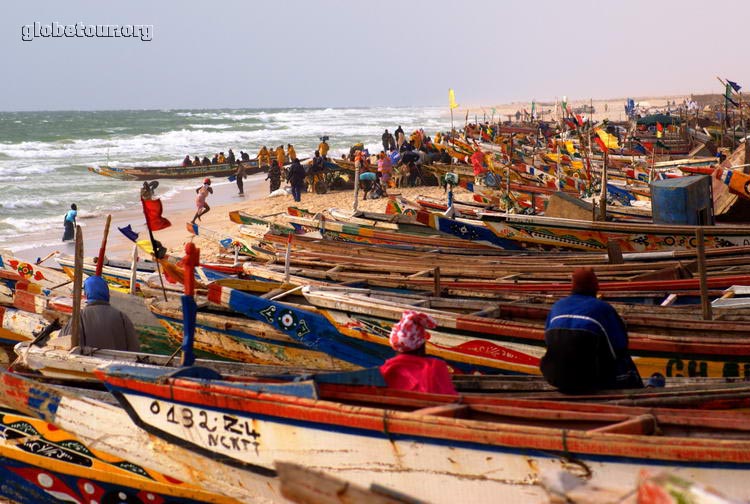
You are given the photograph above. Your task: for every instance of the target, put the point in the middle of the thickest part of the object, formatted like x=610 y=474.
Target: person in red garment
x=411 y=368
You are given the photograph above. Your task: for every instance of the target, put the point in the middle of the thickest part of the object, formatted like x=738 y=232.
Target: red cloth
x=152 y=209
x=417 y=373
x=476 y=161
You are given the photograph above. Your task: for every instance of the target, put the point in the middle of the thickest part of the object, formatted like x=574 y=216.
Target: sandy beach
x=180 y=208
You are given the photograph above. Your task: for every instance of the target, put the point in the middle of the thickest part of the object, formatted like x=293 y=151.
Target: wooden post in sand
x=356 y=187
x=75 y=323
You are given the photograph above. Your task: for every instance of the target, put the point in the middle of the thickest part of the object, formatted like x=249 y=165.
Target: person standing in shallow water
x=70 y=223
x=200 y=200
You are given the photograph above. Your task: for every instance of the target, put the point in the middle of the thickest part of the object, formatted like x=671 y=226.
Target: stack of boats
x=294 y=328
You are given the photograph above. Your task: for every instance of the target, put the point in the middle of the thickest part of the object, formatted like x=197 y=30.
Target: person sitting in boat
x=206 y=161
x=411 y=368
x=244 y=156
x=187 y=162
x=215 y=159
x=196 y=161
x=230 y=157
x=103 y=325
x=587 y=342
x=222 y=158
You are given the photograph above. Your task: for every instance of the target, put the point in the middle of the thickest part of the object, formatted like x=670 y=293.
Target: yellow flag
x=609 y=140
x=452 y=99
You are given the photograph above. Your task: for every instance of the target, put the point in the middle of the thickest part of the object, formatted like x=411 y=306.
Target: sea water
x=44 y=155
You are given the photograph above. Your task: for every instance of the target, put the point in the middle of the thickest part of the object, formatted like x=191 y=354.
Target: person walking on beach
x=296 y=178
x=411 y=368
x=274 y=175
x=323 y=147
x=103 y=325
x=399 y=133
x=70 y=223
x=587 y=342
x=385 y=168
x=200 y=200
x=280 y=156
x=240 y=174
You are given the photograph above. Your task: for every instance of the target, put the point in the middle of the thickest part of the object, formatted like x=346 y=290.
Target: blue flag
x=129 y=233
x=735 y=86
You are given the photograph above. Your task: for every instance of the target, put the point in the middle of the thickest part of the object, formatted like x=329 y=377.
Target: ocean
x=44 y=155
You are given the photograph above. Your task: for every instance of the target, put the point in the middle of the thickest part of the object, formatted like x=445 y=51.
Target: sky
x=337 y=53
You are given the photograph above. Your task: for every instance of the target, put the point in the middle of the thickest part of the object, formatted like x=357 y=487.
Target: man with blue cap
x=103 y=325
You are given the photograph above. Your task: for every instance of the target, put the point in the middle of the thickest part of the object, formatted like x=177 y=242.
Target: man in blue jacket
x=587 y=342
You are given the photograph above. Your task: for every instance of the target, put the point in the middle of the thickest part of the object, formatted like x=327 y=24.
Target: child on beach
x=200 y=200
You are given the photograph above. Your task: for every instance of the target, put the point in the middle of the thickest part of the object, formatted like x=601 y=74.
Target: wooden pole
x=705 y=303
x=287 y=257
x=603 y=194
x=436 y=277
x=103 y=247
x=356 y=187
x=75 y=332
x=133 y=270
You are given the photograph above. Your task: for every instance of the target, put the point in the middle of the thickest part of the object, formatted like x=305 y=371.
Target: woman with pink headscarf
x=411 y=368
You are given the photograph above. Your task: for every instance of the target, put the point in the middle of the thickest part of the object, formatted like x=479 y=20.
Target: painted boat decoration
x=19 y=325
x=239 y=339
x=95 y=421
x=430 y=445
x=40 y=463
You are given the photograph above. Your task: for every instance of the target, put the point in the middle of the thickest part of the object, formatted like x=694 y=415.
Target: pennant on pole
x=452 y=99
x=734 y=85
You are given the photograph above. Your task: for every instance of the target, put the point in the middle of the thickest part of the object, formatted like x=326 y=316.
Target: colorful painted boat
x=40 y=463
x=569 y=234
x=431 y=446
x=19 y=325
x=99 y=424
x=239 y=339
x=172 y=172
x=356 y=330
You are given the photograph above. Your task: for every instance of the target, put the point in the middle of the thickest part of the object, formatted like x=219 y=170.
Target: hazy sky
x=313 y=53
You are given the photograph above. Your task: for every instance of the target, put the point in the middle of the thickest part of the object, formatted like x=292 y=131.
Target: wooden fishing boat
x=173 y=172
x=432 y=446
x=40 y=463
x=19 y=325
x=548 y=232
x=354 y=327
x=115 y=275
x=239 y=339
x=96 y=420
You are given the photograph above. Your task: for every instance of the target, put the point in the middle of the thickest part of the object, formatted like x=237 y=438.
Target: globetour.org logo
x=80 y=30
